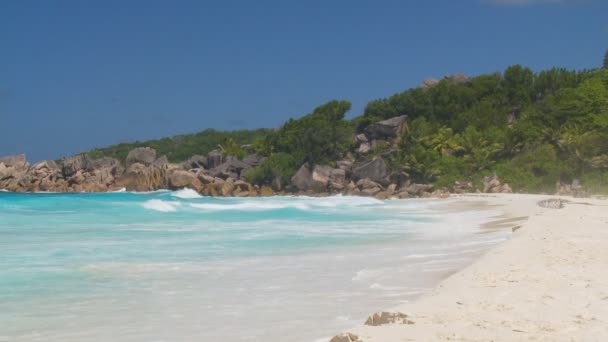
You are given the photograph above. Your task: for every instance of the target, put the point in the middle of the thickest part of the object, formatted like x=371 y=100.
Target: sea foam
x=160 y=205
x=186 y=194
x=124 y=266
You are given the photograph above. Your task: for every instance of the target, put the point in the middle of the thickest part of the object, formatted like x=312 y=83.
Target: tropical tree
x=518 y=85
x=319 y=137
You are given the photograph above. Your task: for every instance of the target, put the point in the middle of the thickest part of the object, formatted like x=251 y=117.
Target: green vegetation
x=279 y=165
x=319 y=137
x=532 y=129
x=182 y=147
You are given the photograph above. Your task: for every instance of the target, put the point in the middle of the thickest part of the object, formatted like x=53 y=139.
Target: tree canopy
x=532 y=129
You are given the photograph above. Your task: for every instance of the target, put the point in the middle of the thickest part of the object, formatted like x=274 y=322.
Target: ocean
x=175 y=266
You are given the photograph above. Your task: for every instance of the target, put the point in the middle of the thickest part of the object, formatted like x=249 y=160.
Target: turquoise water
x=175 y=266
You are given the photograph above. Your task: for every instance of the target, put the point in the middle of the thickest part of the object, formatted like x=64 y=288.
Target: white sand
x=548 y=283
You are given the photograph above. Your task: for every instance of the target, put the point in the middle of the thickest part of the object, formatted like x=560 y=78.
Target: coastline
x=547 y=282
x=346 y=279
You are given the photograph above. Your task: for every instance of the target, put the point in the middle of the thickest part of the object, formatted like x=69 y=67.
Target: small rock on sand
x=345 y=337
x=381 y=318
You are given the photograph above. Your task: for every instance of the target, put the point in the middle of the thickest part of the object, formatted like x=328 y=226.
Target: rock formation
x=219 y=175
x=375 y=169
x=389 y=128
x=345 y=337
x=142 y=155
x=491 y=184
x=139 y=177
x=195 y=162
x=14 y=161
x=381 y=318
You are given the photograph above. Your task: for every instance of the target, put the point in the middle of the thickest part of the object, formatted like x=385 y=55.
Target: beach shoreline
x=547 y=282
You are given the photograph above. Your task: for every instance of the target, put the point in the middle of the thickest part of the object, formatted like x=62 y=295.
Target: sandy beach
x=549 y=282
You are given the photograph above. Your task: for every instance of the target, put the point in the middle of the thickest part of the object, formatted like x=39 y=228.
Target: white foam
x=424 y=256
x=120 y=190
x=159 y=205
x=149 y=192
x=250 y=206
x=378 y=286
x=186 y=194
x=284 y=202
x=366 y=274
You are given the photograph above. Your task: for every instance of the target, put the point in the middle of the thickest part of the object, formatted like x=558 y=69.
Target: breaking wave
x=186 y=194
x=160 y=205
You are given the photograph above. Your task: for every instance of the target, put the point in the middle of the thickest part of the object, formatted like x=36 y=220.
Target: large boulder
x=179 y=179
x=389 y=128
x=228 y=187
x=141 y=155
x=302 y=178
x=337 y=179
x=232 y=167
x=73 y=164
x=418 y=190
x=45 y=169
x=162 y=161
x=103 y=163
x=320 y=178
x=204 y=177
x=139 y=177
x=367 y=187
x=375 y=169
x=14 y=178
x=9 y=172
x=18 y=160
x=103 y=172
x=266 y=191
x=195 y=162
x=45 y=164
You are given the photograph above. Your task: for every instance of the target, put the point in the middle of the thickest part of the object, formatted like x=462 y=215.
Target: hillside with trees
x=532 y=129
x=182 y=147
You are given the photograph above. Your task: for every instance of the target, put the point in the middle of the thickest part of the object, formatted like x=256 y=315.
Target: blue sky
x=81 y=74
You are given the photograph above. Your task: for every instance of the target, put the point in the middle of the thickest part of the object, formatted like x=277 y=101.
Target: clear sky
x=81 y=74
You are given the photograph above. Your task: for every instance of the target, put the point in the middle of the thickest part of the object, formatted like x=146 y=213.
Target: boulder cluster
x=214 y=175
x=382 y=133
x=218 y=174
x=211 y=175
x=370 y=178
